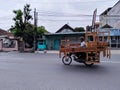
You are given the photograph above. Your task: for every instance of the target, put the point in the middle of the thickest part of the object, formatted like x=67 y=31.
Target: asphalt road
x=37 y=71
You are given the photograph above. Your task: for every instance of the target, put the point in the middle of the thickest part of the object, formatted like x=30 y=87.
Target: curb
x=57 y=52
x=47 y=51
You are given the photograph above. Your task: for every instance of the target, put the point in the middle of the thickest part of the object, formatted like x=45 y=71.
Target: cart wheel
x=88 y=64
x=67 y=60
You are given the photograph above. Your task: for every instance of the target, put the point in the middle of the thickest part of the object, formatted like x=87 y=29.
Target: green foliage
x=79 y=29
x=41 y=30
x=23 y=27
x=27 y=11
x=18 y=16
x=17 y=28
x=15 y=31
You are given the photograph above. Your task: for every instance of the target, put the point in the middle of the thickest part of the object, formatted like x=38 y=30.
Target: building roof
x=106 y=11
x=107 y=26
x=72 y=33
x=66 y=26
x=116 y=3
x=4 y=32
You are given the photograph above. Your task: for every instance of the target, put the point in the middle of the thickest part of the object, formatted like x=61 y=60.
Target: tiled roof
x=4 y=32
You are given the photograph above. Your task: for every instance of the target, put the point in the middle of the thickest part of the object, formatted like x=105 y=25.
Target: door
x=57 y=44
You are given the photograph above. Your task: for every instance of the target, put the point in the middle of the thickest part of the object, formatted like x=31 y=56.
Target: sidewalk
x=115 y=51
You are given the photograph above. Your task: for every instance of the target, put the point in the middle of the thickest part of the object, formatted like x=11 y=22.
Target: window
x=90 y=38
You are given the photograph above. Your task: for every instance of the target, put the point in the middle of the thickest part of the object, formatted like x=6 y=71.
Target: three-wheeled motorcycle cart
x=97 y=41
x=90 y=54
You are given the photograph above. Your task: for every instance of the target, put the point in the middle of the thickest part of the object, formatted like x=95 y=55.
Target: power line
x=48 y=13
x=111 y=15
x=66 y=2
x=59 y=14
x=74 y=15
x=65 y=15
x=63 y=20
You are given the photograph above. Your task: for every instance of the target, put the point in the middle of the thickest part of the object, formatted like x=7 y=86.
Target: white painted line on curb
x=111 y=62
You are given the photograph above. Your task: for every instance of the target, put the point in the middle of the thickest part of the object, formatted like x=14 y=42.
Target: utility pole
x=35 y=28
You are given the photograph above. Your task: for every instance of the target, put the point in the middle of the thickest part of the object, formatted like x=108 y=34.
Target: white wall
x=66 y=31
x=112 y=18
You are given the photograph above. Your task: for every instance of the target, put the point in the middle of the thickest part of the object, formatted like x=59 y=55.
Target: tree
x=17 y=29
x=27 y=15
x=22 y=27
x=21 y=22
x=79 y=29
x=41 y=30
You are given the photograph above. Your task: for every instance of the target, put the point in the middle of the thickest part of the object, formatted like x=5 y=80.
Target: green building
x=66 y=32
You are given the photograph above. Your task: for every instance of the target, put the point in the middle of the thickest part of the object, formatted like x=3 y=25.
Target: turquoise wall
x=53 y=41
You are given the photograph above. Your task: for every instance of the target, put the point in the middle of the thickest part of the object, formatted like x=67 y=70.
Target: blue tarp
x=113 y=32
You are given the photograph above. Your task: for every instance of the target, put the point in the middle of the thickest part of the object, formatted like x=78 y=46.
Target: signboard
x=94 y=19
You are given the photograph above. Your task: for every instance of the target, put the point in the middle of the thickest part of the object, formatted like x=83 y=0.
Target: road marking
x=111 y=62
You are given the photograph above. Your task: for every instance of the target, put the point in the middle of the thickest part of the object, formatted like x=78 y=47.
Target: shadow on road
x=84 y=69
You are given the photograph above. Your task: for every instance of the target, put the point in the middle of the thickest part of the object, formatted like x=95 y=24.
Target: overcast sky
x=53 y=14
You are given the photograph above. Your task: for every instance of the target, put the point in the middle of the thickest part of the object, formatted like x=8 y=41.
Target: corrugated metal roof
x=66 y=26
x=71 y=33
